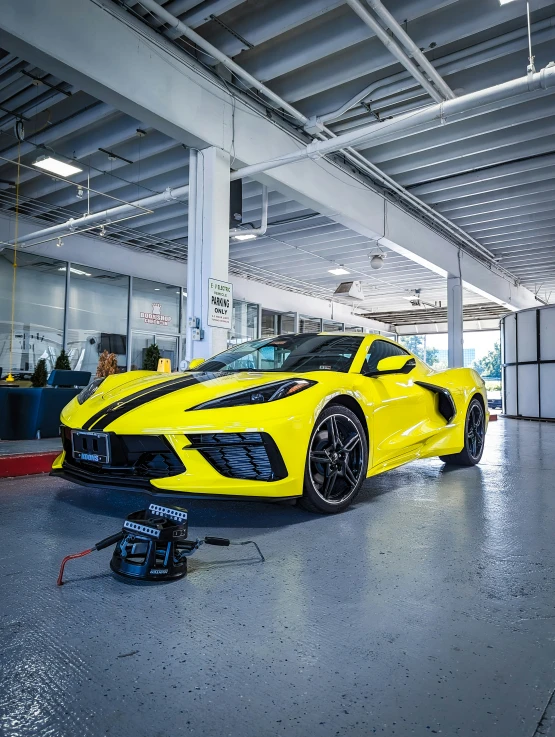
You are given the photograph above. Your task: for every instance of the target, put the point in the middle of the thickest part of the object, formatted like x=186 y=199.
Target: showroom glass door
x=277 y=323
x=168 y=345
x=139 y=344
x=168 y=349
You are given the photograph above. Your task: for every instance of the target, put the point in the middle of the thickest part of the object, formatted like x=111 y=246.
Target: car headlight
x=89 y=390
x=259 y=394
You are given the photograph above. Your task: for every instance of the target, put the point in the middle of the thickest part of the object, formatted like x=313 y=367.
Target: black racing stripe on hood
x=114 y=411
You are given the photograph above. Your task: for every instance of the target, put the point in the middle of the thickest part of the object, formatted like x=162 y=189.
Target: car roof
x=336 y=332
x=352 y=332
x=349 y=333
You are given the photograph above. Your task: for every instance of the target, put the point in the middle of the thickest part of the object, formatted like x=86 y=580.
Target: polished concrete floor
x=428 y=608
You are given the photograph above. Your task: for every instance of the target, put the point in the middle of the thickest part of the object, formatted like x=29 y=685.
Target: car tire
x=474 y=437
x=336 y=463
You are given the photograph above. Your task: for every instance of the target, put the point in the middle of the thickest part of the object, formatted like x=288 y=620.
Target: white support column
x=208 y=249
x=455 y=321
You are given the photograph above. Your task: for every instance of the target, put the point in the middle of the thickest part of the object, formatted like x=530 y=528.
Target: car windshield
x=298 y=353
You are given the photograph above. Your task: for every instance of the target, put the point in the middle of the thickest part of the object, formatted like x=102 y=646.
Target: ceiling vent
x=352 y=289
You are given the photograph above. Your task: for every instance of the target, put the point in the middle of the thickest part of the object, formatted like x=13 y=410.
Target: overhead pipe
x=450 y=64
x=383 y=13
x=196 y=38
x=437 y=114
x=400 y=77
x=394 y=48
x=105 y=217
x=263 y=220
x=433 y=112
x=321 y=131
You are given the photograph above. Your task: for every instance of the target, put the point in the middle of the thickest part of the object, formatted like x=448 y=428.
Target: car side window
x=378 y=350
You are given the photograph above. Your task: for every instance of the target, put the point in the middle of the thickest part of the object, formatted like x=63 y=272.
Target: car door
x=404 y=414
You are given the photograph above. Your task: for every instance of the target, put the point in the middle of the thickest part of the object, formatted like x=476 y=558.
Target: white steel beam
x=208 y=247
x=126 y=65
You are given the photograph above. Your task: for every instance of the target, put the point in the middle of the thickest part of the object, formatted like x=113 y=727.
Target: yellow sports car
x=303 y=416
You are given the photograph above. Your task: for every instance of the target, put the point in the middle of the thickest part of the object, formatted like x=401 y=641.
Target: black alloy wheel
x=474 y=437
x=475 y=430
x=337 y=461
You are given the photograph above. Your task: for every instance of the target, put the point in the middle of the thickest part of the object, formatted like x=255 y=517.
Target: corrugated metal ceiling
x=493 y=174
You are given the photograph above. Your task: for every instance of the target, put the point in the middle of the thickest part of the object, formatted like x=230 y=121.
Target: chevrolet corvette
x=298 y=416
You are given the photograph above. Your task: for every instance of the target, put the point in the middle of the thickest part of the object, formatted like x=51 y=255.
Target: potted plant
x=40 y=375
x=151 y=358
x=62 y=362
x=107 y=365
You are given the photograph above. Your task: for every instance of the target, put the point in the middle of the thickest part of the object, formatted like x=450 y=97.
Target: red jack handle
x=111 y=540
x=60 y=581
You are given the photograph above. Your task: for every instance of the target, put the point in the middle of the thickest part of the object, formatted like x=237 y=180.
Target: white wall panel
x=529 y=388
x=510 y=338
x=547 y=386
x=510 y=391
x=547 y=334
x=527 y=339
x=528 y=391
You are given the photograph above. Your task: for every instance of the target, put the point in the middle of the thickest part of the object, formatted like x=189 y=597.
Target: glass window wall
x=330 y=326
x=97 y=319
x=155 y=306
x=309 y=324
x=157 y=315
x=277 y=323
x=39 y=311
x=103 y=315
x=269 y=326
x=245 y=323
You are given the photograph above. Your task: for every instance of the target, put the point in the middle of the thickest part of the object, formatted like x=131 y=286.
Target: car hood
x=117 y=395
x=197 y=386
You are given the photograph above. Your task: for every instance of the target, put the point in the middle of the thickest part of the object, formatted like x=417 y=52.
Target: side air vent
x=446 y=405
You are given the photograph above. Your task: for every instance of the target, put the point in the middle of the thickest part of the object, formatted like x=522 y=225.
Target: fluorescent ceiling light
x=245 y=237
x=156 y=289
x=505 y=2
x=49 y=163
x=340 y=271
x=74 y=271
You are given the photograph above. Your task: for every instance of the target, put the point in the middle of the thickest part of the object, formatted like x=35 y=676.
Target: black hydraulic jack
x=152 y=545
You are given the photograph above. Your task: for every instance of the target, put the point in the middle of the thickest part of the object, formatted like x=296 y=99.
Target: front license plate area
x=93 y=447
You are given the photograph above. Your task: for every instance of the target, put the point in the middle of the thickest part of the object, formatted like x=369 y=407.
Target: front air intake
x=247 y=455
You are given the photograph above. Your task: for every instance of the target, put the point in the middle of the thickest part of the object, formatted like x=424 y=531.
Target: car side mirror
x=394 y=365
x=195 y=363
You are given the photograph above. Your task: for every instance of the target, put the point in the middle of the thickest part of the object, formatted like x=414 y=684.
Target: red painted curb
x=27 y=464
